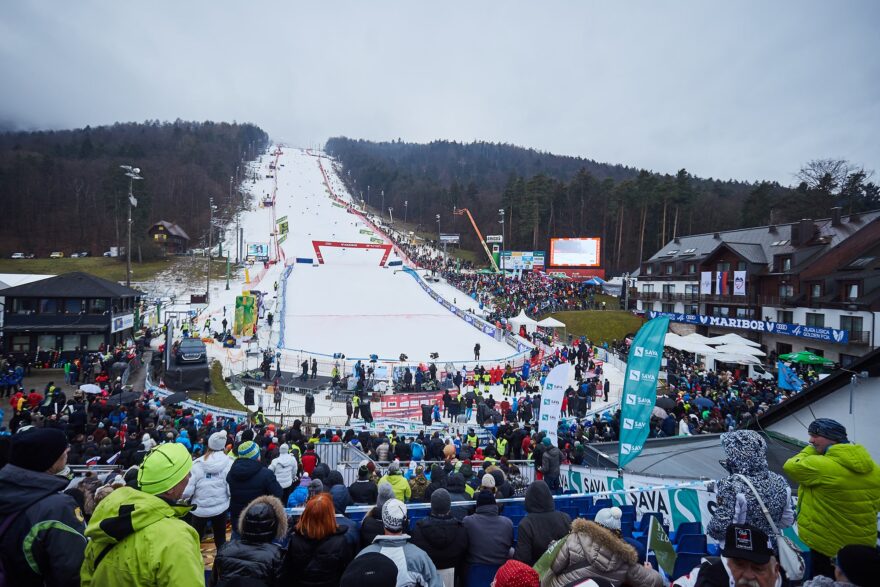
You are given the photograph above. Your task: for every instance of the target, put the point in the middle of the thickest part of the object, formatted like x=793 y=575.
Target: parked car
x=79 y=255
x=56 y=255
x=190 y=350
x=17 y=256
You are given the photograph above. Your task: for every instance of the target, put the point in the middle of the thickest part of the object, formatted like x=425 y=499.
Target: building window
x=745 y=312
x=853 y=324
x=786 y=291
x=692 y=289
x=649 y=269
x=70 y=342
x=46 y=342
x=74 y=305
x=98 y=306
x=21 y=344
x=816 y=290
x=669 y=308
x=48 y=306
x=819 y=352
x=740 y=265
x=668 y=289
x=815 y=319
x=647 y=288
x=786 y=264
x=783 y=348
x=94 y=341
x=722 y=267
x=667 y=269
x=691 y=309
x=721 y=311
x=852 y=291
x=847 y=360
x=785 y=316
x=24 y=305
x=692 y=268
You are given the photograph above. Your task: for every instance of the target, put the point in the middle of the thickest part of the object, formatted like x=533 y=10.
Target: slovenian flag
x=92 y=461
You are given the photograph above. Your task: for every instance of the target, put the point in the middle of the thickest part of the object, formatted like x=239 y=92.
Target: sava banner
x=551 y=400
x=640 y=387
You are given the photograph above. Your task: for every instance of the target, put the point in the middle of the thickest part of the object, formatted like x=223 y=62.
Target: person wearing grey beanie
x=372 y=526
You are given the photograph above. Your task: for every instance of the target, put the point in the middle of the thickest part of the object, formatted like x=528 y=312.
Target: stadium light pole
x=391 y=214
x=405 y=207
x=132 y=173
x=211 y=208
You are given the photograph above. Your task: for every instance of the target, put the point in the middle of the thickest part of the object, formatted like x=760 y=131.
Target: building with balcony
x=67 y=313
x=170 y=237
x=812 y=284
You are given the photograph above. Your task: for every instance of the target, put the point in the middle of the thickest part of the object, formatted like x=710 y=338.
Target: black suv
x=190 y=350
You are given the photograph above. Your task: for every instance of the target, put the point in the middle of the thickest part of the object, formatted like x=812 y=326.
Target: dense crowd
x=180 y=474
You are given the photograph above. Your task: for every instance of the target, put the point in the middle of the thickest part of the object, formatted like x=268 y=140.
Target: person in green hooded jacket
x=838 y=493
x=137 y=538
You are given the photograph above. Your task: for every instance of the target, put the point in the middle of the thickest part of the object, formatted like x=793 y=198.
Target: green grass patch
x=222 y=397
x=600 y=326
x=105 y=267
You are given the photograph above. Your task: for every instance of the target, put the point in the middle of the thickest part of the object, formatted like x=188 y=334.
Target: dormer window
x=816 y=290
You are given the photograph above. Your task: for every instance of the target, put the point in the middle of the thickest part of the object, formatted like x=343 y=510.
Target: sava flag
x=706 y=283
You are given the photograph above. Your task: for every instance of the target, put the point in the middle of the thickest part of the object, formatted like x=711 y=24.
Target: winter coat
x=371 y=526
x=207 y=485
x=309 y=461
x=550 y=460
x=414 y=567
x=593 y=551
x=838 y=496
x=822 y=581
x=285 y=468
x=455 y=487
x=363 y=491
x=541 y=526
x=402 y=490
x=253 y=560
x=57 y=550
x=746 y=455
x=247 y=480
x=490 y=536
x=317 y=563
x=418 y=485
x=444 y=538
x=151 y=545
x=438 y=480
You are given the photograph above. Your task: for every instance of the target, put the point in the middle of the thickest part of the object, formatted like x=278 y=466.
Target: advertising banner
x=494 y=238
x=589 y=480
x=798 y=330
x=551 y=399
x=575 y=252
x=677 y=505
x=122 y=322
x=450 y=238
x=640 y=387
x=718 y=283
x=739 y=283
x=706 y=283
x=518 y=260
x=245 y=323
x=258 y=250
x=787 y=378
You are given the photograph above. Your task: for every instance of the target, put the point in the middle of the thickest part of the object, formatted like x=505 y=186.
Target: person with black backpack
x=42 y=530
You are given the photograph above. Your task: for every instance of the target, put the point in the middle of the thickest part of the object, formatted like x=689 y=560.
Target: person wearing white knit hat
x=208 y=490
x=285 y=468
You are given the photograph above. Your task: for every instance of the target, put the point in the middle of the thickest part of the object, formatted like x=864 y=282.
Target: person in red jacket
x=34 y=400
x=310 y=459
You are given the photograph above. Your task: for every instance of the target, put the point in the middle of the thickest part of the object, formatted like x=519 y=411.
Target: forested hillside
x=64 y=190
x=544 y=195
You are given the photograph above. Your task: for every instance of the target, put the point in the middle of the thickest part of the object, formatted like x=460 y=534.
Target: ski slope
x=350 y=304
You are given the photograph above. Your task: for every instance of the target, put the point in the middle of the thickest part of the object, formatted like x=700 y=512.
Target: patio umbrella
x=659 y=412
x=126 y=397
x=740 y=349
x=731 y=338
x=175 y=398
x=805 y=358
x=90 y=388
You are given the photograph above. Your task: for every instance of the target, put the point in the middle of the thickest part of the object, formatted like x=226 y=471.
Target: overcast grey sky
x=742 y=89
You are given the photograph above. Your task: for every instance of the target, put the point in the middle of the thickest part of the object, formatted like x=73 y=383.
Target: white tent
x=737 y=359
x=523 y=320
x=696 y=348
x=733 y=339
x=740 y=349
x=694 y=337
x=550 y=322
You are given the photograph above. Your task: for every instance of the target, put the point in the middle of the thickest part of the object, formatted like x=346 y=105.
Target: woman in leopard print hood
x=747 y=456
